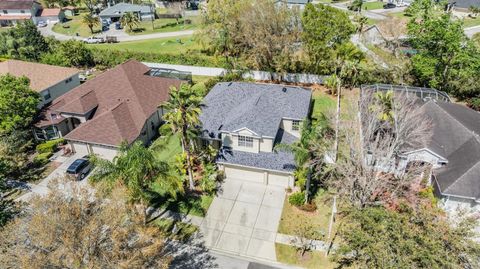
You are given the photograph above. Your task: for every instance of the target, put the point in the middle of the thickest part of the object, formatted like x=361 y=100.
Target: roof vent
x=230 y=84
x=284 y=89
x=220 y=127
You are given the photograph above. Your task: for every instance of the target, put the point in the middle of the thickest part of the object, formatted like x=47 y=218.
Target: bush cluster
x=297 y=198
x=49 y=146
x=42 y=158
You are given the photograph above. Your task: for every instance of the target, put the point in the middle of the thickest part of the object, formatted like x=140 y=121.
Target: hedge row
x=108 y=58
x=49 y=146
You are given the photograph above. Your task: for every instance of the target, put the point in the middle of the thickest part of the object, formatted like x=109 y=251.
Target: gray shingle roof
x=465 y=3
x=456 y=138
x=231 y=106
x=121 y=8
x=277 y=161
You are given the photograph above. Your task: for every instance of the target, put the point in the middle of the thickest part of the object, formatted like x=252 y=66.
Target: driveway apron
x=243 y=219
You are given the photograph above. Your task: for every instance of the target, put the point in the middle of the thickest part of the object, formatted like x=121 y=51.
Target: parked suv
x=79 y=168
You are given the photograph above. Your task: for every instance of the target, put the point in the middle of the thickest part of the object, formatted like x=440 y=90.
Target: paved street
x=244 y=219
x=120 y=34
x=192 y=255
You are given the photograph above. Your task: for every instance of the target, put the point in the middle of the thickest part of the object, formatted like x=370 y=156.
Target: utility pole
x=332 y=219
x=332 y=216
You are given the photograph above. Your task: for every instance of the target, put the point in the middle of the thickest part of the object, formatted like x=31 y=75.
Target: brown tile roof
x=41 y=76
x=16 y=4
x=124 y=98
x=49 y=12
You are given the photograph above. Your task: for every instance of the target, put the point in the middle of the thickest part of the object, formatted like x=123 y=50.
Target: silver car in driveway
x=79 y=169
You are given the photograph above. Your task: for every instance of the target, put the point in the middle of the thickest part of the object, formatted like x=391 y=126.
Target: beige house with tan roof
x=48 y=80
x=120 y=105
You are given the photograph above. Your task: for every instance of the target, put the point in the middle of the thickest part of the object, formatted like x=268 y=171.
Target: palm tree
x=348 y=57
x=90 y=21
x=183 y=117
x=136 y=168
x=129 y=20
x=309 y=152
x=385 y=101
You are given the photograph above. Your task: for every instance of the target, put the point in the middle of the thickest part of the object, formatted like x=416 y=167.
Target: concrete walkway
x=121 y=36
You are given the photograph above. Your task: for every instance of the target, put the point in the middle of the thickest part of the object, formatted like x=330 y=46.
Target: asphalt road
x=194 y=255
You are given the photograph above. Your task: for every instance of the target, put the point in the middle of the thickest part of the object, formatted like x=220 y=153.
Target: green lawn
x=400 y=14
x=311 y=259
x=173 y=45
x=165 y=25
x=171 y=147
x=469 y=22
x=373 y=5
x=292 y=217
x=323 y=103
x=476 y=39
x=75 y=26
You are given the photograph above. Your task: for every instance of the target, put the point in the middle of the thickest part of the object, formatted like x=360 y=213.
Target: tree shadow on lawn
x=187 y=203
x=190 y=255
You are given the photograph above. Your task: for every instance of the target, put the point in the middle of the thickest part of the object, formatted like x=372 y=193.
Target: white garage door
x=104 y=152
x=244 y=174
x=277 y=179
x=79 y=148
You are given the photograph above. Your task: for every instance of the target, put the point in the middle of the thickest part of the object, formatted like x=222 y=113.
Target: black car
x=389 y=6
x=79 y=168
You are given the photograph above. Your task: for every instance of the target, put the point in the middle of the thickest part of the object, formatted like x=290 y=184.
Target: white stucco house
x=115 y=13
x=119 y=105
x=48 y=80
x=246 y=120
x=13 y=11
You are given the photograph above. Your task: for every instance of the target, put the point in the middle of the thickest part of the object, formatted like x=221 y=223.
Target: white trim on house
x=440 y=157
x=245 y=129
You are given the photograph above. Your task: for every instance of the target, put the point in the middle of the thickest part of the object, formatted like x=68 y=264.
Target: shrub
x=109 y=58
x=42 y=158
x=474 y=103
x=49 y=146
x=297 y=199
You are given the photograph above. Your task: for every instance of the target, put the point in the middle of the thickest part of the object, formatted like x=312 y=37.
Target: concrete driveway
x=244 y=218
x=42 y=187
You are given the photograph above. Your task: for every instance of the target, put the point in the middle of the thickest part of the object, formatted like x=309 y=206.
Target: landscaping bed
x=311 y=259
x=176 y=230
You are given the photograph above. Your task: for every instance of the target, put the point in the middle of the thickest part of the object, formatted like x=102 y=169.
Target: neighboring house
x=48 y=80
x=462 y=6
x=119 y=105
x=115 y=12
x=13 y=11
x=51 y=15
x=246 y=120
x=453 y=150
x=372 y=35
